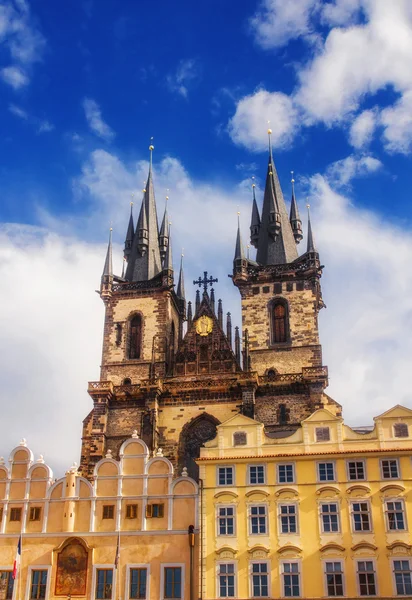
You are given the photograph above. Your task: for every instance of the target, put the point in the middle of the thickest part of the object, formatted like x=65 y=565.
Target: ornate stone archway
x=194 y=435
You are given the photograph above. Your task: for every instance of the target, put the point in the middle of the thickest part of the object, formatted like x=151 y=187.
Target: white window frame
x=226 y=562
x=254 y=505
x=131 y=566
x=254 y=562
x=9 y=568
x=264 y=474
x=381 y=469
x=366 y=559
x=361 y=501
x=398 y=558
x=325 y=575
x=323 y=503
x=225 y=467
x=225 y=535
x=284 y=464
x=30 y=570
x=163 y=566
x=364 y=469
x=324 y=462
x=295 y=504
x=402 y=501
x=281 y=573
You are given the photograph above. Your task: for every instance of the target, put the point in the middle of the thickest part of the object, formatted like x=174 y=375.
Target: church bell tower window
x=135 y=337
x=280 y=324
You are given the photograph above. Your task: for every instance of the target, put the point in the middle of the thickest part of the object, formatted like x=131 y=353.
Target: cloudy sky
x=85 y=84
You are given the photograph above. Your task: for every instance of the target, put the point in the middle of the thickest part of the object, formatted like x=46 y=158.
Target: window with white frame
x=361 y=516
x=225 y=475
x=6 y=584
x=258 y=519
x=402 y=577
x=290 y=572
x=256 y=474
x=322 y=434
x=38 y=583
x=259 y=579
x=366 y=577
x=329 y=517
x=104 y=584
x=172 y=582
x=288 y=518
x=326 y=471
x=395 y=515
x=286 y=473
x=226 y=520
x=334 y=578
x=356 y=470
x=226 y=580
x=138 y=583
x=390 y=468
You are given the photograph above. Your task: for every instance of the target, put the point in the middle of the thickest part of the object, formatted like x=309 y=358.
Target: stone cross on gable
x=205 y=281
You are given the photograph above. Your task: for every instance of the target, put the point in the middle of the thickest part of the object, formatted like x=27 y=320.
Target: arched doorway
x=194 y=435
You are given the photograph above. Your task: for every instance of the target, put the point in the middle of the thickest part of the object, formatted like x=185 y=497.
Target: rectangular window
x=260 y=580
x=138 y=582
x=356 y=470
x=286 y=473
x=329 y=517
x=395 y=515
x=239 y=438
x=1 y=514
x=326 y=471
x=366 y=578
x=172 y=582
x=400 y=430
x=290 y=579
x=225 y=475
x=6 y=585
x=104 y=584
x=288 y=518
x=258 y=519
x=361 y=517
x=403 y=577
x=322 y=434
x=390 y=469
x=226 y=520
x=131 y=511
x=334 y=578
x=256 y=474
x=108 y=511
x=226 y=580
x=35 y=513
x=155 y=511
x=15 y=514
x=38 y=584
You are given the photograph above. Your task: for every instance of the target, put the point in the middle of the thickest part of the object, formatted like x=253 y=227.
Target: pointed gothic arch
x=194 y=434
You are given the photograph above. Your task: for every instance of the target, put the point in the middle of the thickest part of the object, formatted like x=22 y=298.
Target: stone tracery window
x=279 y=321
x=135 y=337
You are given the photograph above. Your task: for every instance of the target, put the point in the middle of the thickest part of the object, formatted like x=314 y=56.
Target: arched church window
x=280 y=324
x=135 y=337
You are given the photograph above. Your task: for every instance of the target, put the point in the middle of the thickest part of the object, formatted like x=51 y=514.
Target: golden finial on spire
x=292 y=180
x=151 y=148
x=253 y=181
x=183 y=252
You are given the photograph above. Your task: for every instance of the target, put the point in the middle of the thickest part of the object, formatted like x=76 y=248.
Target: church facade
x=173 y=371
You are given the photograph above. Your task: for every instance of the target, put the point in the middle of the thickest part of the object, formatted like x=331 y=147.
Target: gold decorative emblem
x=204 y=325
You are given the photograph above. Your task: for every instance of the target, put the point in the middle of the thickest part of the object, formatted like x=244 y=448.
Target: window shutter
x=148 y=511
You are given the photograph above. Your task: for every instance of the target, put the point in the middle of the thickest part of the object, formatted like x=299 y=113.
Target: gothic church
x=174 y=383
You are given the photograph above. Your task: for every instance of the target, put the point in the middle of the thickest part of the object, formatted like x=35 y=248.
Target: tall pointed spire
x=181 y=283
x=164 y=233
x=108 y=263
x=239 y=253
x=168 y=262
x=255 y=221
x=129 y=234
x=294 y=218
x=276 y=244
x=311 y=241
x=144 y=261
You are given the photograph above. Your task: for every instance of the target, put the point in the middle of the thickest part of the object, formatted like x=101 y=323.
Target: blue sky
x=85 y=85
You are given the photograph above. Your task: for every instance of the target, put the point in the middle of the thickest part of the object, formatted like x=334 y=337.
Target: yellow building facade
x=129 y=533
x=324 y=512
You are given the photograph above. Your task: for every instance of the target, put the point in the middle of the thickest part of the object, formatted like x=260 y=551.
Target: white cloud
x=18 y=112
x=341 y=172
x=186 y=74
x=45 y=126
x=276 y=21
x=248 y=126
x=41 y=125
x=95 y=120
x=14 y=76
x=340 y=12
x=397 y=123
x=362 y=128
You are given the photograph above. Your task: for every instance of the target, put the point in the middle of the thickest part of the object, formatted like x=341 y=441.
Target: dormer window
x=400 y=430
x=322 y=434
x=239 y=438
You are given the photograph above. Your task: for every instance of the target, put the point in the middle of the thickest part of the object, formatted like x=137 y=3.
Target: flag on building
x=16 y=564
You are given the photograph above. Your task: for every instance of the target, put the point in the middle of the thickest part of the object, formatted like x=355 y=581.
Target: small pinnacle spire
x=212 y=299
x=164 y=234
x=220 y=313
x=255 y=221
x=294 y=218
x=123 y=267
x=311 y=242
x=168 y=262
x=239 y=254
x=237 y=344
x=181 y=283
x=189 y=314
x=108 y=263
x=197 y=303
x=229 y=328
x=130 y=233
